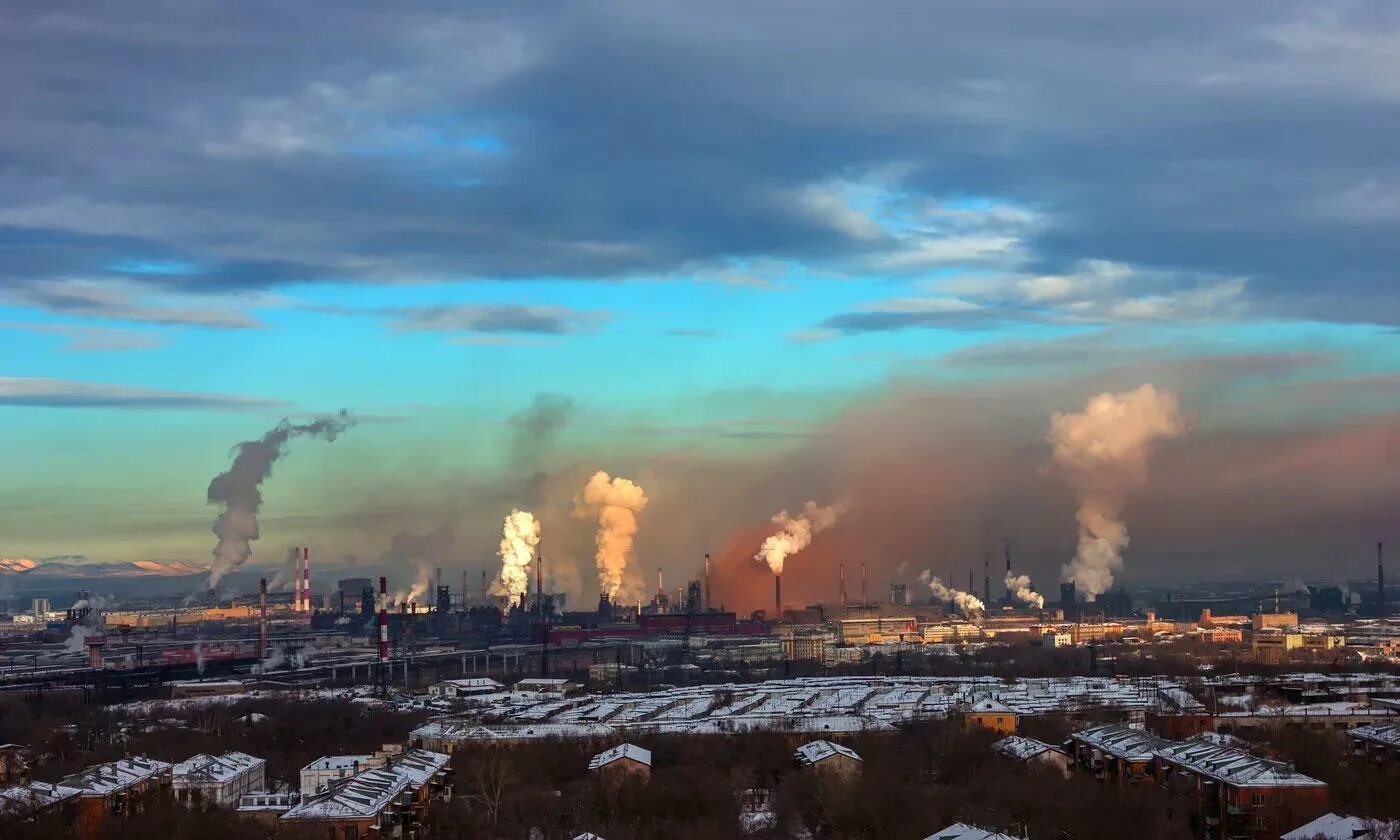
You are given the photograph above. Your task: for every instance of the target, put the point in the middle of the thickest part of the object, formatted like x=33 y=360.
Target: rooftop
x=215 y=769
x=1387 y=734
x=1018 y=746
x=618 y=753
x=369 y=793
x=23 y=799
x=1234 y=767
x=1121 y=742
x=338 y=762
x=814 y=751
x=114 y=776
x=1338 y=827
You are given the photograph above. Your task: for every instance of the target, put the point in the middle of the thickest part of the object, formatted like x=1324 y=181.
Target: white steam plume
x=519 y=535
x=795 y=533
x=1103 y=451
x=970 y=605
x=616 y=502
x=239 y=490
x=1020 y=588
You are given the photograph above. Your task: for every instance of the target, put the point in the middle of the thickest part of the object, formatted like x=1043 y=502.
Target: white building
x=317 y=776
x=217 y=779
x=962 y=831
x=465 y=688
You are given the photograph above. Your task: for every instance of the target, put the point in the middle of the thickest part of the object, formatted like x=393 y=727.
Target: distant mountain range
x=80 y=567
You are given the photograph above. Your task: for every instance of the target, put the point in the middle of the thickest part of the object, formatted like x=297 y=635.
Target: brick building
x=116 y=789
x=622 y=762
x=826 y=757
x=1113 y=752
x=1239 y=795
x=217 y=779
x=387 y=801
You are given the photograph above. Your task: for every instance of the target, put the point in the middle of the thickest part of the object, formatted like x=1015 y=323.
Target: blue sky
x=714 y=245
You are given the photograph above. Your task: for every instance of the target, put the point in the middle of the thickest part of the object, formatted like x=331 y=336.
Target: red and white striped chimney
x=383 y=619
x=305 y=579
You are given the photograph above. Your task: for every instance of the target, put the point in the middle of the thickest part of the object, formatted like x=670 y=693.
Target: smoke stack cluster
x=1103 y=451
x=238 y=491
x=615 y=502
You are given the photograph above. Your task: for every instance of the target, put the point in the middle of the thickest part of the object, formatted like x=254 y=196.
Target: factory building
x=217 y=779
x=861 y=631
x=1238 y=795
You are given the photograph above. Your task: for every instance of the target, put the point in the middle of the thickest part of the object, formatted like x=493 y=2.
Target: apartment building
x=1240 y=796
x=217 y=779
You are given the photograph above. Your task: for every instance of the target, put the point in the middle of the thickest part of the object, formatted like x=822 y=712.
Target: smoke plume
x=1103 y=451
x=421 y=552
x=616 y=503
x=1020 y=588
x=519 y=535
x=968 y=604
x=239 y=490
x=795 y=533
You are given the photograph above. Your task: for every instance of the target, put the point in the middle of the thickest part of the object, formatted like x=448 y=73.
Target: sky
x=749 y=254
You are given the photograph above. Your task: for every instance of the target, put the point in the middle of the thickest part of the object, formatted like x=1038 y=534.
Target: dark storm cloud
x=606 y=139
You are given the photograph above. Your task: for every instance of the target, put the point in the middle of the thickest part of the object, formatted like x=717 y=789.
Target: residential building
x=1031 y=751
x=1239 y=795
x=991 y=714
x=1378 y=741
x=387 y=801
x=826 y=757
x=1338 y=827
x=117 y=788
x=1114 y=752
x=35 y=798
x=317 y=776
x=622 y=762
x=266 y=806
x=217 y=779
x=1177 y=714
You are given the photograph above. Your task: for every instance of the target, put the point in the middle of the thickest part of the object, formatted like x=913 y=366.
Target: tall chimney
x=485 y=590
x=539 y=581
x=464 y=590
x=306 y=579
x=841 y=567
x=1380 y=580
x=971 y=582
x=383 y=619
x=1008 y=571
x=262 y=621
x=296 y=581
x=986 y=580
x=863 y=599
x=660 y=583
x=778 y=596
x=708 y=604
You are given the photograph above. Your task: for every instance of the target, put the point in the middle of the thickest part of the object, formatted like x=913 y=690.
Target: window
x=1258 y=799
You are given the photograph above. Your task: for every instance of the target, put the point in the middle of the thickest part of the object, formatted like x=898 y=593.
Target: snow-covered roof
x=474 y=683
x=1018 y=746
x=991 y=707
x=1338 y=827
x=618 y=753
x=1121 y=742
x=213 y=769
x=24 y=799
x=369 y=793
x=114 y=776
x=814 y=751
x=1386 y=734
x=1234 y=767
x=338 y=762
x=963 y=831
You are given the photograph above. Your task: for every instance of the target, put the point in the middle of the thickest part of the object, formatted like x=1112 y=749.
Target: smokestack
x=262 y=620
x=1380 y=579
x=95 y=644
x=383 y=634
x=306 y=579
x=708 y=604
x=539 y=581
x=778 y=596
x=1007 y=548
x=863 y=599
x=842 y=571
x=971 y=581
x=986 y=580
x=383 y=592
x=296 y=581
x=660 y=583
x=485 y=590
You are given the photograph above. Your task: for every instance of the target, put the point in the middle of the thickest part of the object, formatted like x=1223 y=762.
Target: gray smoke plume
x=239 y=490
x=534 y=428
x=421 y=553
